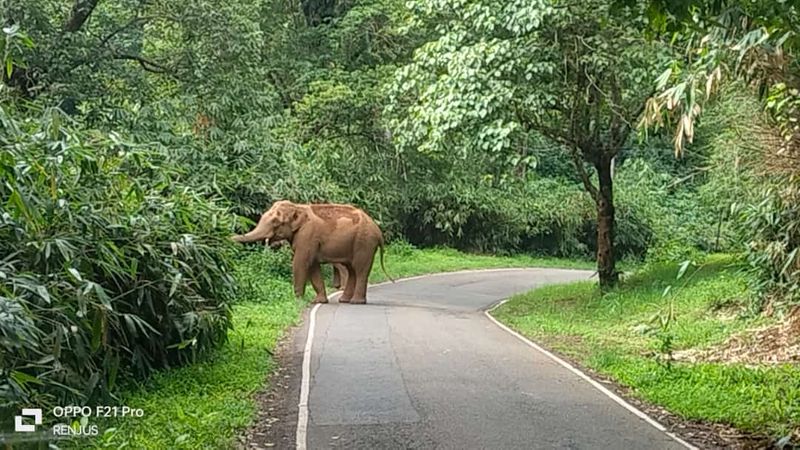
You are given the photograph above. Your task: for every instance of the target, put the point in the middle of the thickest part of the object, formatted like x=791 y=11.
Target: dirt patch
x=774 y=344
x=275 y=423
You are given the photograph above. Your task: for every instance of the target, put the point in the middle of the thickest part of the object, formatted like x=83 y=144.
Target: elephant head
x=279 y=223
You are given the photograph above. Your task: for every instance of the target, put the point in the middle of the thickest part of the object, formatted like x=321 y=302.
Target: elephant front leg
x=300 y=267
x=318 y=283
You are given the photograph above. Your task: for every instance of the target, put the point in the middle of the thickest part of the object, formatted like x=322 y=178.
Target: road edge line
x=302 y=406
x=619 y=400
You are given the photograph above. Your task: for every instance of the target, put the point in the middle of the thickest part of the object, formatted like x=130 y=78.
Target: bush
x=401 y=248
x=659 y=218
x=753 y=186
x=556 y=214
x=107 y=267
x=264 y=275
x=546 y=216
x=772 y=250
x=476 y=218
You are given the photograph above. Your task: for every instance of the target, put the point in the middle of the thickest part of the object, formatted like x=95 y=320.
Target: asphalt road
x=420 y=366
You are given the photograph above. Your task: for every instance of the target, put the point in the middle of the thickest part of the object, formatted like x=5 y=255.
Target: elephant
x=339 y=270
x=323 y=233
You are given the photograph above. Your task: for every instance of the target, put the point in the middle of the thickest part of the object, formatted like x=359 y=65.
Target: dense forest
x=138 y=136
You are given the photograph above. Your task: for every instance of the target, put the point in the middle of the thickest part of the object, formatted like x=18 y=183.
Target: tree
x=576 y=73
x=757 y=41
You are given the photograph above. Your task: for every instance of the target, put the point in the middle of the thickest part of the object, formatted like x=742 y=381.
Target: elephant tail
x=383 y=266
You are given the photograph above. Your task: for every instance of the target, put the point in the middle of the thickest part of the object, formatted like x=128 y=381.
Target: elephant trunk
x=259 y=233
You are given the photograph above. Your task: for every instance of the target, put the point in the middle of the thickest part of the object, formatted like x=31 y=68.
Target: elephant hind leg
x=350 y=284
x=337 y=277
x=362 y=265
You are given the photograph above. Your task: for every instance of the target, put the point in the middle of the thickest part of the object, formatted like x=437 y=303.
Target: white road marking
x=302 y=407
x=588 y=379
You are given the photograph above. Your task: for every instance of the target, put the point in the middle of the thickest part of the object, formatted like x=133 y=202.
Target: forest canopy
x=138 y=136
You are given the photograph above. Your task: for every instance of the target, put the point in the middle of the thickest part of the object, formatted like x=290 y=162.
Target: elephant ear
x=298 y=218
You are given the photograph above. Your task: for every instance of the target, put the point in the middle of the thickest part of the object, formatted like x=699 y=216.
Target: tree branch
x=617 y=121
x=146 y=64
x=80 y=12
x=626 y=126
x=132 y=22
x=587 y=183
x=575 y=153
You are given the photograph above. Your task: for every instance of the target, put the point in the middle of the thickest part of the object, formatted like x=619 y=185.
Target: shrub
x=657 y=216
x=264 y=275
x=547 y=216
x=556 y=212
x=107 y=265
x=772 y=250
x=475 y=217
x=401 y=248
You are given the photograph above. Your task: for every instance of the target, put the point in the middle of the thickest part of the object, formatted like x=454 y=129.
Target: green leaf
x=23 y=378
x=790 y=259
x=113 y=368
x=75 y=274
x=42 y=291
x=682 y=270
x=97 y=331
x=662 y=79
x=176 y=280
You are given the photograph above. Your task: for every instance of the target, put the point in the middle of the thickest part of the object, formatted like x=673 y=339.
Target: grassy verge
x=405 y=261
x=621 y=335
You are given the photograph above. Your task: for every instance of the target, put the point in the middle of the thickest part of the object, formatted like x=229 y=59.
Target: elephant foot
x=359 y=301
x=344 y=300
x=321 y=300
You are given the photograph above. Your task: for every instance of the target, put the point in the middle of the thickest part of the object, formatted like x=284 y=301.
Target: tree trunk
x=80 y=12
x=606 y=260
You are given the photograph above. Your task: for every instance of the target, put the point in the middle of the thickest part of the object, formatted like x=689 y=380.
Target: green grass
x=615 y=334
x=405 y=261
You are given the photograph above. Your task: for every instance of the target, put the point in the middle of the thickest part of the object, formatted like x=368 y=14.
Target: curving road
x=421 y=366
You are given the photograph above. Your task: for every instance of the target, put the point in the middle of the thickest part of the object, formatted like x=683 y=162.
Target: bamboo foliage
x=108 y=266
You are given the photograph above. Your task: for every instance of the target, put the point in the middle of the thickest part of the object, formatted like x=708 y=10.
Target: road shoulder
x=275 y=424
